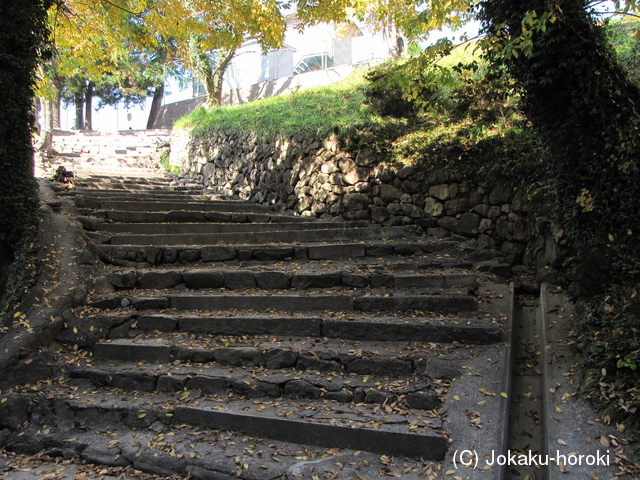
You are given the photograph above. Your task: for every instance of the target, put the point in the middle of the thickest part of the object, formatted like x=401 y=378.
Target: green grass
x=315 y=111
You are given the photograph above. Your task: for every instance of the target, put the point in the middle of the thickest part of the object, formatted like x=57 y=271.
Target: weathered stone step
x=168 y=195
x=165 y=206
x=306 y=301
x=92 y=169
x=354 y=327
x=211 y=227
x=195 y=216
x=332 y=234
x=156 y=255
x=132 y=184
x=130 y=161
x=169 y=191
x=261 y=353
x=205 y=454
x=376 y=380
x=319 y=277
x=389 y=430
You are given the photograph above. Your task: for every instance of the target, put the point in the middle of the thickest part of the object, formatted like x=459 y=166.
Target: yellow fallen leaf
x=561 y=442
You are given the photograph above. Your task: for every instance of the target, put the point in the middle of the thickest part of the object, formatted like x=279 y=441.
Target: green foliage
x=164 y=162
x=472 y=126
x=582 y=103
x=624 y=36
x=315 y=112
x=475 y=130
x=410 y=85
x=585 y=108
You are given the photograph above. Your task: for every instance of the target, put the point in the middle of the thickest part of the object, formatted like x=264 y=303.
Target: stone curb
x=507 y=384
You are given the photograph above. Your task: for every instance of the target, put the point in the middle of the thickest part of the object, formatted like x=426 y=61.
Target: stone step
x=155 y=255
x=204 y=454
x=242 y=278
x=334 y=233
x=301 y=421
x=86 y=167
x=365 y=338
x=116 y=181
x=196 y=216
x=356 y=327
x=406 y=393
x=165 y=206
x=130 y=161
x=165 y=195
x=170 y=191
x=306 y=301
x=262 y=225
x=80 y=172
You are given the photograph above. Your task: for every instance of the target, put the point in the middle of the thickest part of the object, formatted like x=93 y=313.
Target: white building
x=334 y=49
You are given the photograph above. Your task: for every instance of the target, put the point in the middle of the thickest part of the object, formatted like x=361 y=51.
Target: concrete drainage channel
x=226 y=340
x=554 y=434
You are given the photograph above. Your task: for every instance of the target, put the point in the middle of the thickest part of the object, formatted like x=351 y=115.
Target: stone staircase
x=224 y=339
x=136 y=152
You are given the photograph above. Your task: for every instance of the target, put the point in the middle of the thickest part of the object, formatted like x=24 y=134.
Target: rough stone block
x=217 y=254
x=341 y=396
x=126 y=279
x=422 y=401
x=190 y=255
x=207 y=385
x=379 y=396
x=316 y=280
x=203 y=278
x=468 y=224
x=239 y=280
x=301 y=389
x=219 y=217
x=163 y=323
x=272 y=280
x=355 y=280
x=241 y=356
x=322 y=252
x=159 y=279
x=272 y=253
x=280 y=358
x=311 y=362
x=391 y=367
x=441 y=192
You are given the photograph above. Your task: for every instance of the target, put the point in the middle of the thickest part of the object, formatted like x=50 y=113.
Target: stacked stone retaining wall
x=322 y=179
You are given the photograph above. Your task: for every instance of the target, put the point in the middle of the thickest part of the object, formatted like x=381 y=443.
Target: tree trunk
x=156 y=103
x=213 y=83
x=78 y=99
x=55 y=104
x=24 y=30
x=45 y=142
x=88 y=104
